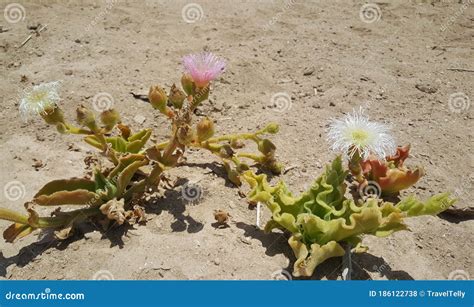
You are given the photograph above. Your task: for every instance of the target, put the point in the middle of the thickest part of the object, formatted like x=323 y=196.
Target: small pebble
x=308 y=71
x=139 y=119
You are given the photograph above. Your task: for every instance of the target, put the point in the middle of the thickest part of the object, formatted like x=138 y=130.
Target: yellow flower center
x=359 y=137
x=38 y=97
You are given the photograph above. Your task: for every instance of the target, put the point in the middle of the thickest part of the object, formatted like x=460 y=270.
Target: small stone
x=221 y=216
x=139 y=119
x=285 y=80
x=332 y=104
x=37 y=164
x=426 y=88
x=34 y=26
x=216 y=261
x=94 y=236
x=72 y=147
x=68 y=72
x=245 y=240
x=308 y=71
x=78 y=41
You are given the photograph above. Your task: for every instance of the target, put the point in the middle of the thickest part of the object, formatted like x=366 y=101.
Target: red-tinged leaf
x=17 y=231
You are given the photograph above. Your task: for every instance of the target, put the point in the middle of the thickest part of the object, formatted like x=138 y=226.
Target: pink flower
x=203 y=67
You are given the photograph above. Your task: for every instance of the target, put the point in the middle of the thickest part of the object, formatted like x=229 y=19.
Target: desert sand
x=404 y=65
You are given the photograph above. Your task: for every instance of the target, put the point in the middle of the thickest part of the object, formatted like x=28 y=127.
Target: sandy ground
x=322 y=54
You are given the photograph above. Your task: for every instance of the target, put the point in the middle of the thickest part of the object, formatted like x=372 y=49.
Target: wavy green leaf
x=322 y=217
x=75 y=191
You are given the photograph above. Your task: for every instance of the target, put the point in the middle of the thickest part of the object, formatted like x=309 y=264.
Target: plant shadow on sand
x=30 y=252
x=276 y=243
x=172 y=202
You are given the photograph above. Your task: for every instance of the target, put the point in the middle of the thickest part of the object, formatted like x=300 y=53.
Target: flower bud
x=86 y=118
x=188 y=84
x=272 y=128
x=53 y=115
x=205 y=129
x=185 y=135
x=158 y=98
x=177 y=97
x=61 y=128
x=276 y=168
x=226 y=151
x=200 y=95
x=234 y=177
x=266 y=147
x=110 y=118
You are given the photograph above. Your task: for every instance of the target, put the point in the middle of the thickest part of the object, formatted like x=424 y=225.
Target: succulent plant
x=322 y=218
x=137 y=168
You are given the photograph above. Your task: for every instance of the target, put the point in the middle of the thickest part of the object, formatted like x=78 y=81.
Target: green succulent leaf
x=73 y=191
x=143 y=136
x=93 y=141
x=322 y=216
x=126 y=176
x=433 y=206
x=309 y=258
x=117 y=143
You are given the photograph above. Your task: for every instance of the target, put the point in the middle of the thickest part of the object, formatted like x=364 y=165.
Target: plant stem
x=13 y=216
x=354 y=166
x=230 y=137
x=74 y=130
x=254 y=157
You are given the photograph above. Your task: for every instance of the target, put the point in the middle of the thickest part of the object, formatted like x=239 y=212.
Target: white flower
x=355 y=133
x=39 y=99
